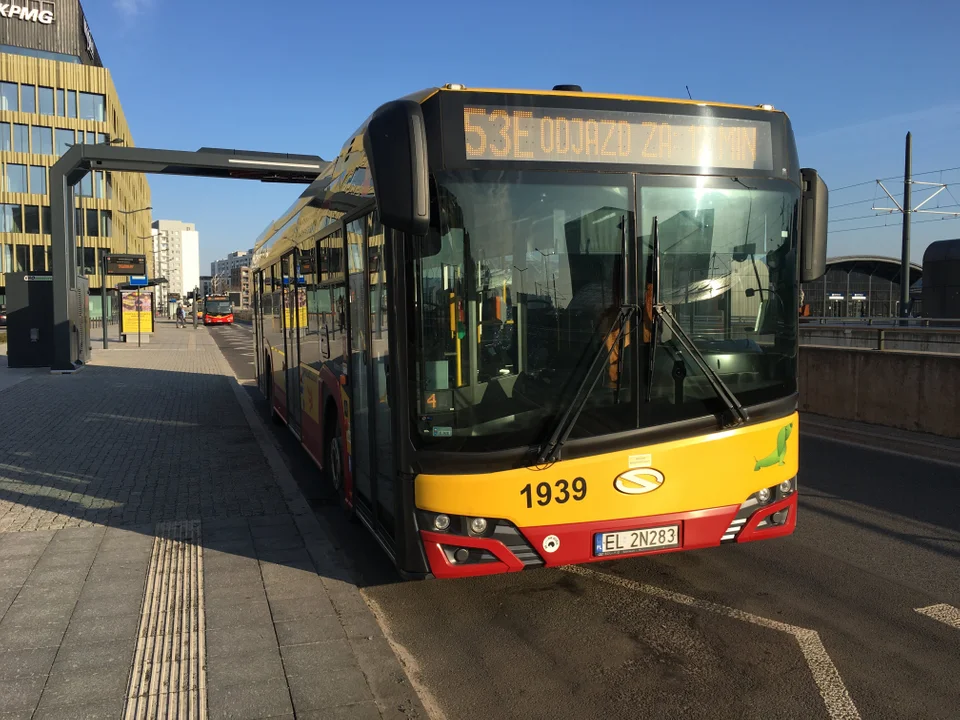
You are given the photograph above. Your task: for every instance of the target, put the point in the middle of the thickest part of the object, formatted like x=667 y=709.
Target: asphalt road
x=719 y=633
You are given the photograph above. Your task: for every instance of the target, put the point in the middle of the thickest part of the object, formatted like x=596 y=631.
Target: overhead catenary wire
x=897 y=225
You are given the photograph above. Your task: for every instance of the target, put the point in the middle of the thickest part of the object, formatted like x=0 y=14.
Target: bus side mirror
x=813 y=226
x=396 y=145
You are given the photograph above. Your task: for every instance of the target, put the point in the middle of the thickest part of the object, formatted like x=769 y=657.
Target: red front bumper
x=218 y=320
x=698 y=529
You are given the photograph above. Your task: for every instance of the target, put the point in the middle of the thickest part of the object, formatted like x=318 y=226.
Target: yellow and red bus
x=518 y=329
x=217 y=310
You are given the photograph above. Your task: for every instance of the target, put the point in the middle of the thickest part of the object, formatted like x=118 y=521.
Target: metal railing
x=920 y=322
x=939 y=335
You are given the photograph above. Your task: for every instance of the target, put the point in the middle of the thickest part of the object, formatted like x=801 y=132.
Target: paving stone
x=356 y=711
x=73 y=576
x=258 y=667
x=337 y=687
x=26 y=611
x=309 y=630
x=304 y=586
x=85 y=687
x=221 y=615
x=249 y=702
x=101 y=629
x=107 y=606
x=316 y=658
x=240 y=641
x=20 y=637
x=80 y=657
x=380 y=666
x=361 y=625
x=22 y=693
x=300 y=607
x=100 y=710
x=24 y=663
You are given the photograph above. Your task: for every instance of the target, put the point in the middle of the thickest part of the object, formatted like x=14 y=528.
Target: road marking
x=834 y=693
x=946 y=614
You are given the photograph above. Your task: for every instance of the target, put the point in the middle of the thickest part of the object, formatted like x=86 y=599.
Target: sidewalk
x=158 y=560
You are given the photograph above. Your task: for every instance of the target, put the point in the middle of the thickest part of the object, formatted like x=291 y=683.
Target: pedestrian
x=181 y=317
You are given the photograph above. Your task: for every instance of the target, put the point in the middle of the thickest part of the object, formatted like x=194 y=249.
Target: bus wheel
x=333 y=462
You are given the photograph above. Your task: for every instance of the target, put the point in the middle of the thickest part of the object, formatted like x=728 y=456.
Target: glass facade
x=9 y=96
x=45 y=97
x=28 y=98
x=52 y=119
x=16 y=178
x=92 y=107
x=21 y=138
x=42 y=140
x=38 y=179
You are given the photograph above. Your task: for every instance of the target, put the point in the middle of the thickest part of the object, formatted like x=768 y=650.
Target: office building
x=55 y=93
x=240 y=283
x=177 y=246
x=206 y=285
x=225 y=266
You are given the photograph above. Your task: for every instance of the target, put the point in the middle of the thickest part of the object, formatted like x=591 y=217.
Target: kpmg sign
x=9 y=10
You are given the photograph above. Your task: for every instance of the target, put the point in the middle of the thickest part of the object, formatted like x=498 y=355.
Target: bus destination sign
x=126 y=264
x=555 y=135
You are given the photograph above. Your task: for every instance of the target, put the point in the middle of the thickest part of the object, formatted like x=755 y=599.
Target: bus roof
x=583 y=94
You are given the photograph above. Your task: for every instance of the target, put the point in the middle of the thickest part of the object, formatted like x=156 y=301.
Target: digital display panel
x=558 y=135
x=126 y=264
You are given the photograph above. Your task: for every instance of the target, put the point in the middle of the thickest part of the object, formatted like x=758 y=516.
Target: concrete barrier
x=906 y=390
x=932 y=340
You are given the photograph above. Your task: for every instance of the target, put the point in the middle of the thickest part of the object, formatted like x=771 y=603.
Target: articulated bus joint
x=769 y=512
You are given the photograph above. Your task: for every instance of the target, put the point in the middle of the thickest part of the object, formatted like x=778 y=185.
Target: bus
x=217 y=310
x=518 y=329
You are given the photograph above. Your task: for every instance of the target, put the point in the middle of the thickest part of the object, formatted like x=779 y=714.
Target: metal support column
x=905 y=248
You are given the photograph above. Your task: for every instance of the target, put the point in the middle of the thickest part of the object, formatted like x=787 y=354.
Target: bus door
x=371 y=422
x=291 y=333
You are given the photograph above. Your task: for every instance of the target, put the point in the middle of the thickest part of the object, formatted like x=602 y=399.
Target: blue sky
x=300 y=75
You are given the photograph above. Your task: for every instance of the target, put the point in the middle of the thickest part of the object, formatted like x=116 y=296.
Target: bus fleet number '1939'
x=560 y=492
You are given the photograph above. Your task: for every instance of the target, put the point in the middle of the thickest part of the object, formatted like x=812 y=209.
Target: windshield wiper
x=550 y=452
x=661 y=315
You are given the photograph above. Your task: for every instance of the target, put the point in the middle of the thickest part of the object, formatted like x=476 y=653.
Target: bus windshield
x=519 y=285
x=218 y=307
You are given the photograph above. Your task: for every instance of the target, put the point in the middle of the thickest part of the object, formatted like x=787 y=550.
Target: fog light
x=441 y=522
x=763 y=496
x=461 y=555
x=478 y=526
x=786 y=486
x=780 y=517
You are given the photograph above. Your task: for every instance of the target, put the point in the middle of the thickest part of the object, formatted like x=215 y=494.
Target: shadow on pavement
x=131 y=448
x=908 y=487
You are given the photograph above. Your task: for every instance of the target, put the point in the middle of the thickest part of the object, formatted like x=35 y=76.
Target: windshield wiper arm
x=550 y=452
x=738 y=413
x=660 y=314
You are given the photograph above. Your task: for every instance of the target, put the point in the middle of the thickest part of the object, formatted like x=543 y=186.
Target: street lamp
x=126 y=227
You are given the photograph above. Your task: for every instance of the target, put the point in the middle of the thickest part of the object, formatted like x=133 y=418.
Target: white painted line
x=834 y=693
x=947 y=614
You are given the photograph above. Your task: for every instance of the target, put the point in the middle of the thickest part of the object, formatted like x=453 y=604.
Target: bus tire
x=333 y=462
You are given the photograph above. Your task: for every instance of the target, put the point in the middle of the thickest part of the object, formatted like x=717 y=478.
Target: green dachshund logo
x=778 y=455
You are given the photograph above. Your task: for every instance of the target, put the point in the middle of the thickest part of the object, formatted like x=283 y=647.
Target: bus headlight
x=441 y=522
x=763 y=496
x=786 y=486
x=478 y=526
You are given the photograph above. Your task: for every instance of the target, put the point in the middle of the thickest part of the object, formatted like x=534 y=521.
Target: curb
x=337 y=578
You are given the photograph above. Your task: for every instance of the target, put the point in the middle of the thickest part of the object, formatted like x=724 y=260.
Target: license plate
x=631 y=541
